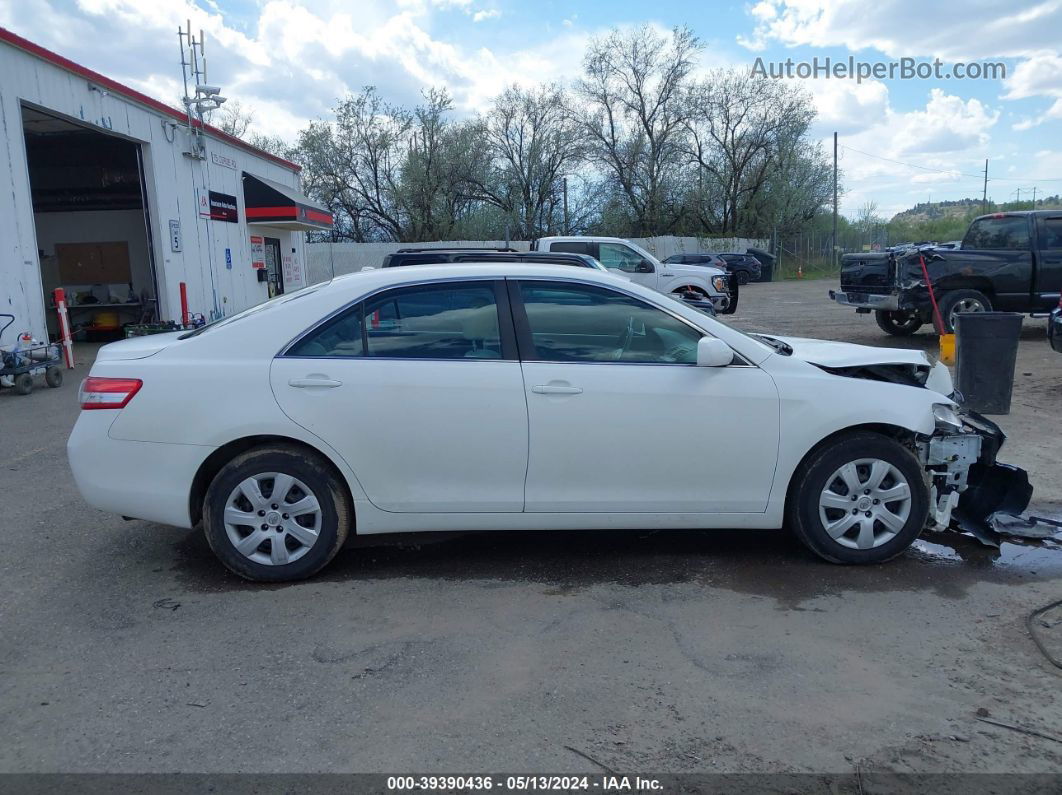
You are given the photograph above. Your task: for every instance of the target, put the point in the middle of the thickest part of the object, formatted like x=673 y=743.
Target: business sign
x=217 y=206
x=258 y=252
x=223 y=161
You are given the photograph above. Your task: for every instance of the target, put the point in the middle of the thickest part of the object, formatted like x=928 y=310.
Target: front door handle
x=556 y=389
x=302 y=383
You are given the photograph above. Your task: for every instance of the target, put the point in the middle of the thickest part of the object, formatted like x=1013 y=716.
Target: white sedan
x=512 y=397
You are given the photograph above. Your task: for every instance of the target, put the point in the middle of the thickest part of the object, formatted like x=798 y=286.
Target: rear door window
x=1051 y=233
x=457 y=320
x=572 y=247
x=1009 y=232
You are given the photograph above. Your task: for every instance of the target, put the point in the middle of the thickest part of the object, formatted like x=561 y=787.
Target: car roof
x=375 y=278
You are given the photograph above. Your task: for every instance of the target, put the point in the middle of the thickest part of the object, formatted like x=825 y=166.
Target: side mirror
x=644 y=266
x=713 y=352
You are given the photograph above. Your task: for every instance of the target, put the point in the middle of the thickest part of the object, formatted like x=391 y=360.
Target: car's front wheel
x=276 y=513
x=742 y=277
x=861 y=498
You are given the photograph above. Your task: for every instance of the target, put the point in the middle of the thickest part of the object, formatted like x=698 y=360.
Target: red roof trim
x=118 y=88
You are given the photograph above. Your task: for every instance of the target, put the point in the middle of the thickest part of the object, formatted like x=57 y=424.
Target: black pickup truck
x=1007 y=261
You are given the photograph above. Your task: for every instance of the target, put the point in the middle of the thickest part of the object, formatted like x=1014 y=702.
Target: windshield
x=263 y=307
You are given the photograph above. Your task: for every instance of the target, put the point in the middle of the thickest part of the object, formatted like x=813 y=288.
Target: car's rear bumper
x=888 y=303
x=143 y=480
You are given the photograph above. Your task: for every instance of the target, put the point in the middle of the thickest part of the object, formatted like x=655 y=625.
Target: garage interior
x=91 y=223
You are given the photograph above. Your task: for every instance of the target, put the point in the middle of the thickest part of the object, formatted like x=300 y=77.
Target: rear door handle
x=553 y=389
x=302 y=383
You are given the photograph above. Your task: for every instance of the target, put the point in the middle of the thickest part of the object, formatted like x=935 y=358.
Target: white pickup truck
x=688 y=282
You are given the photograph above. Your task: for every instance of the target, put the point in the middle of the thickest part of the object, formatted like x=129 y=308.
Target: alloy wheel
x=272 y=518
x=865 y=503
x=965 y=305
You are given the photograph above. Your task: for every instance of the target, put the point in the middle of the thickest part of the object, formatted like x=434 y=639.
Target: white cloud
x=948 y=137
x=976 y=29
x=293 y=58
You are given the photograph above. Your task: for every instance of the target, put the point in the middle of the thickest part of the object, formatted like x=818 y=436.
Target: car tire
x=898 y=324
x=957 y=301
x=23 y=384
x=291 y=545
x=53 y=377
x=868 y=532
x=742 y=277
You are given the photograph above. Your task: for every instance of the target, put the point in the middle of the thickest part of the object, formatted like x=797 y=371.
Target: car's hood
x=704 y=271
x=847 y=355
x=828 y=353
x=137 y=347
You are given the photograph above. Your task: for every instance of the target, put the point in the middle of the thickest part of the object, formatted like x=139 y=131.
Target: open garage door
x=90 y=215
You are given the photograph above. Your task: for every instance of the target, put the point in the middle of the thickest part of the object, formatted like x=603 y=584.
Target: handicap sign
x=228 y=258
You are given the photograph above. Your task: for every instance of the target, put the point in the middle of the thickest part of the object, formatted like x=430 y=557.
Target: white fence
x=323 y=260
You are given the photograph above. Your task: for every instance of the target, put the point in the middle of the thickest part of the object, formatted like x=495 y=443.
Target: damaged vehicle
x=1007 y=261
x=521 y=396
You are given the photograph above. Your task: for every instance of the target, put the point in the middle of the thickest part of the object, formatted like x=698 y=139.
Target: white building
x=107 y=193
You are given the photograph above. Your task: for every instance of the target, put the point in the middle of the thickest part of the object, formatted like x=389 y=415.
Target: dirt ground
x=125 y=647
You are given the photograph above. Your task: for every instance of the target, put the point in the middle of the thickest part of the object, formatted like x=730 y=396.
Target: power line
x=948 y=170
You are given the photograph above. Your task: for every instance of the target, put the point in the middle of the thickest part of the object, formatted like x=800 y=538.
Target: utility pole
x=567 y=229
x=1034 y=197
x=833 y=254
x=984 y=196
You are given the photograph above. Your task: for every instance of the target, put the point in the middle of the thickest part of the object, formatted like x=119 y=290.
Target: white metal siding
x=171 y=178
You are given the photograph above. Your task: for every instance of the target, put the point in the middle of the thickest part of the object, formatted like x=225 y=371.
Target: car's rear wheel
x=898 y=324
x=276 y=513
x=958 y=302
x=861 y=498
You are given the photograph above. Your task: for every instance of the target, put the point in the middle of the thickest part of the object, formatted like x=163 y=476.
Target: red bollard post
x=185 y=320
x=64 y=327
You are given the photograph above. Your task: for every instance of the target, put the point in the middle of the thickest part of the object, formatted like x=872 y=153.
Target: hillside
x=960 y=209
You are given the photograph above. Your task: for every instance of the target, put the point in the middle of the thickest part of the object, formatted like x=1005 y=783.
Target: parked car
x=745 y=266
x=458 y=397
x=436 y=256
x=1007 y=261
x=702 y=258
x=682 y=281
x=1054 y=327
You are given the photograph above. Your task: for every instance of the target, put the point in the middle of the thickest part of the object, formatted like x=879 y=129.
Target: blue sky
x=288 y=60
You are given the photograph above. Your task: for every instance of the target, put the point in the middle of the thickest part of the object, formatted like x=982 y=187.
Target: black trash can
x=986 y=347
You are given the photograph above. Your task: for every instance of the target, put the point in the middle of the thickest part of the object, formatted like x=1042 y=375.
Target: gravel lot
x=125 y=647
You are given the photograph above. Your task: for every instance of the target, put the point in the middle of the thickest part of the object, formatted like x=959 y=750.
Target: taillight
x=107 y=393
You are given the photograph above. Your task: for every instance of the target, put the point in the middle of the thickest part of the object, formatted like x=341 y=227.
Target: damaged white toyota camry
x=505 y=396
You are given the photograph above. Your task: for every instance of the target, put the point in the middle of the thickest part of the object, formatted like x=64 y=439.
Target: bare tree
x=740 y=129
x=533 y=144
x=232 y=118
x=391 y=173
x=636 y=116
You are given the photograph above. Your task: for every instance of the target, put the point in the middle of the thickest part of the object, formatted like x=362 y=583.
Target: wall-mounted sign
x=223 y=160
x=217 y=206
x=258 y=252
x=292 y=271
x=175 y=235
x=228 y=259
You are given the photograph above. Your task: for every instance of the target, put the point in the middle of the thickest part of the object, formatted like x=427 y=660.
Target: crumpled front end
x=968 y=485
